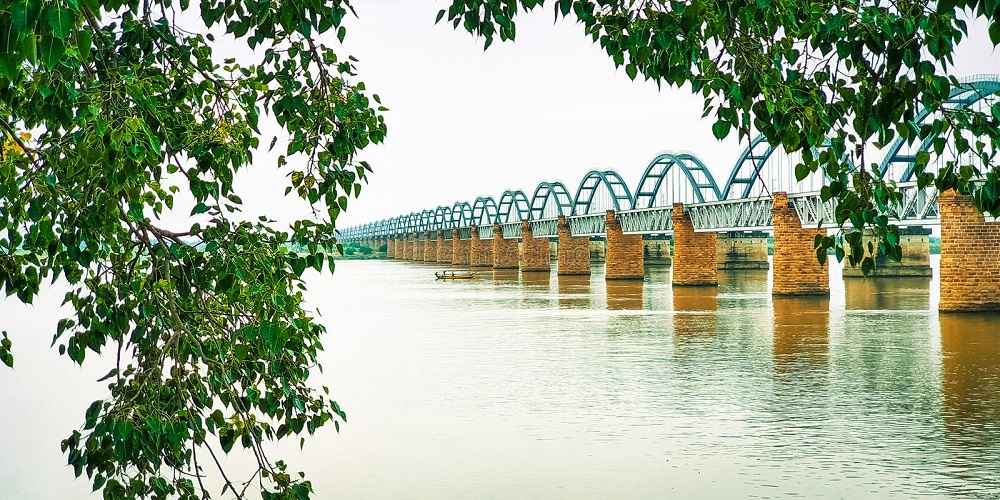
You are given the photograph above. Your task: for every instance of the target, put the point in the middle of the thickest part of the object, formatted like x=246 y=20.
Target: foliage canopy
x=826 y=78
x=109 y=110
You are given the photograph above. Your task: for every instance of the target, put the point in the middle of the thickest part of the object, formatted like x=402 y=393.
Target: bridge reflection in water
x=694 y=309
x=624 y=294
x=801 y=338
x=970 y=381
x=887 y=293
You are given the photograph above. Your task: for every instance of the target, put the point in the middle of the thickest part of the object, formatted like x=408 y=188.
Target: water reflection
x=505 y=276
x=743 y=281
x=624 y=294
x=693 y=307
x=574 y=291
x=536 y=280
x=970 y=379
x=801 y=333
x=887 y=293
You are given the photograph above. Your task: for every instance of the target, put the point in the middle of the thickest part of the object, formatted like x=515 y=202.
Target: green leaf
x=995 y=32
x=60 y=20
x=721 y=129
x=93 y=411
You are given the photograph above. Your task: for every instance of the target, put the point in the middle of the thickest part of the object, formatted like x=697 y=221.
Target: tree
x=130 y=105
x=824 y=77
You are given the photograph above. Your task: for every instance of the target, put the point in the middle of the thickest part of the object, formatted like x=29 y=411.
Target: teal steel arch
x=969 y=92
x=621 y=196
x=461 y=214
x=484 y=211
x=748 y=165
x=413 y=222
x=699 y=177
x=442 y=218
x=513 y=207
x=555 y=191
x=426 y=220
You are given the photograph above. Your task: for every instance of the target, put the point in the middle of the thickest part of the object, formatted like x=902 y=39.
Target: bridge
x=711 y=225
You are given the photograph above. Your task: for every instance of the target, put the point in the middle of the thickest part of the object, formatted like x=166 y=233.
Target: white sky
x=550 y=106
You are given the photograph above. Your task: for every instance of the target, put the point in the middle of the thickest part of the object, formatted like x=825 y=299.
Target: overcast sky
x=551 y=106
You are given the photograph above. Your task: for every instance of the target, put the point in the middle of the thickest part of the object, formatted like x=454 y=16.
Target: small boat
x=454 y=275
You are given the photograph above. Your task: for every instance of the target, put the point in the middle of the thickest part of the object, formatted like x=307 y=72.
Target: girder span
x=969 y=92
x=618 y=192
x=442 y=218
x=484 y=211
x=700 y=181
x=461 y=214
x=551 y=199
x=513 y=207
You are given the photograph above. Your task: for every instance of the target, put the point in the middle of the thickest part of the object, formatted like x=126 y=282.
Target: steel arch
x=556 y=190
x=461 y=214
x=964 y=95
x=442 y=218
x=413 y=222
x=690 y=165
x=748 y=165
x=619 y=191
x=484 y=211
x=513 y=203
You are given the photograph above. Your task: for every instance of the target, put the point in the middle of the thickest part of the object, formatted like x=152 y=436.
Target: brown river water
x=533 y=386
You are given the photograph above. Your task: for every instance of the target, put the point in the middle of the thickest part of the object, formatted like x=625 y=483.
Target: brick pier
x=694 y=253
x=574 y=253
x=624 y=257
x=534 y=252
x=796 y=269
x=459 y=249
x=504 y=250
x=741 y=250
x=480 y=252
x=443 y=248
x=970 y=256
x=430 y=249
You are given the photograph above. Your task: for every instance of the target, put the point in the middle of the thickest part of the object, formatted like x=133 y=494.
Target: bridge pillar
x=741 y=250
x=443 y=249
x=400 y=245
x=915 y=243
x=796 y=269
x=970 y=256
x=656 y=252
x=504 y=250
x=534 y=252
x=390 y=248
x=480 y=252
x=430 y=248
x=598 y=250
x=694 y=253
x=459 y=249
x=411 y=247
x=573 y=253
x=624 y=257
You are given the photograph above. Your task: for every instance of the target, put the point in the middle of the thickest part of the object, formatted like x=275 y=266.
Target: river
x=535 y=386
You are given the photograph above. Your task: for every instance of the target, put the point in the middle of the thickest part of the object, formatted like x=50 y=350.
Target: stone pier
x=574 y=253
x=480 y=252
x=534 y=252
x=796 y=269
x=741 y=250
x=412 y=244
x=504 y=250
x=390 y=249
x=656 y=251
x=624 y=257
x=459 y=249
x=694 y=253
x=916 y=262
x=598 y=250
x=430 y=249
x=443 y=248
x=970 y=256
x=400 y=249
